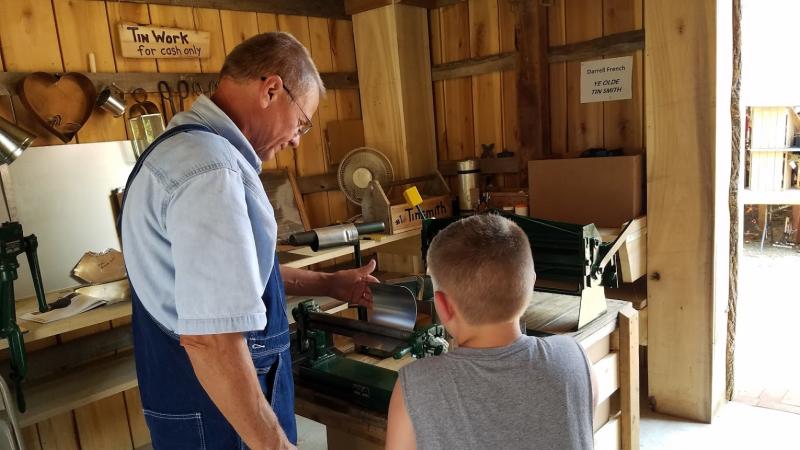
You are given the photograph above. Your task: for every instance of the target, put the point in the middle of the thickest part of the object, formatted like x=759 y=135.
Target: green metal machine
x=319 y=364
x=12 y=244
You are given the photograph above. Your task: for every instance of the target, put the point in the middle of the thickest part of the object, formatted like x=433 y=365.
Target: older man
x=211 y=336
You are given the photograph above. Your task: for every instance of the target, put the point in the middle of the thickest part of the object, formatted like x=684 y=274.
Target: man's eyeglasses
x=305 y=126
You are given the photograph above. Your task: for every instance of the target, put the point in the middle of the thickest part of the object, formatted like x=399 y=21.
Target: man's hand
x=351 y=285
x=224 y=368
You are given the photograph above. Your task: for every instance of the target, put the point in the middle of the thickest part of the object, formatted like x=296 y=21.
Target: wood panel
x=556 y=21
x=348 y=101
x=27 y=24
x=439 y=101
x=128 y=12
x=59 y=432
x=458 y=124
x=584 y=21
x=104 y=424
x=486 y=89
x=510 y=127
x=238 y=26
x=680 y=164
x=174 y=17
x=140 y=435
x=320 y=47
x=210 y=20
x=77 y=41
x=622 y=119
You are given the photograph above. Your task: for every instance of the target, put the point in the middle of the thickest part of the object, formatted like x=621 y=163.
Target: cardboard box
x=605 y=191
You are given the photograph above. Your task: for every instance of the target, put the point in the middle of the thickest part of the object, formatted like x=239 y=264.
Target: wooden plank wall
x=482 y=109
x=63 y=32
x=574 y=127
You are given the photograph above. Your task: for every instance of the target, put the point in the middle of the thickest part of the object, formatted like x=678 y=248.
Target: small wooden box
x=388 y=205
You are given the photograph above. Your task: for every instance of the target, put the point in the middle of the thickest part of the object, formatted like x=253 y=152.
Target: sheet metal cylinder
x=467 y=172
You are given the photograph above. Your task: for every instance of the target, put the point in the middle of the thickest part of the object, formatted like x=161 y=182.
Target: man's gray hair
x=274 y=53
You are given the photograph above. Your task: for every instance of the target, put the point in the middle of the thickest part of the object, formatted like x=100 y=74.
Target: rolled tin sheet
x=393 y=307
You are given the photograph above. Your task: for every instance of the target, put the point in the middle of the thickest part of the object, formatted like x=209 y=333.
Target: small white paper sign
x=606 y=79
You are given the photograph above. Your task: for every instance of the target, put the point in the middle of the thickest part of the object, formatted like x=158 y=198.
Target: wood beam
x=681 y=78
x=394 y=71
x=128 y=81
x=626 y=42
x=533 y=110
x=475 y=66
x=333 y=9
x=357 y=6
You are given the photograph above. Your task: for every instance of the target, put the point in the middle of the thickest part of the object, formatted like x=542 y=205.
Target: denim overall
x=178 y=411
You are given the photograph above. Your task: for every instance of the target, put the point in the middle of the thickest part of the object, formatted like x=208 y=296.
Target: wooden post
x=533 y=110
x=394 y=72
x=796 y=222
x=681 y=84
x=629 y=377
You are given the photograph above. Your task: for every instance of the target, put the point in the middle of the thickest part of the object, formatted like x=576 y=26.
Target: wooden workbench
x=108 y=376
x=611 y=342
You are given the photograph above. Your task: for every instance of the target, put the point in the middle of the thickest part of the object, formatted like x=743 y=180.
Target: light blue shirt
x=198 y=230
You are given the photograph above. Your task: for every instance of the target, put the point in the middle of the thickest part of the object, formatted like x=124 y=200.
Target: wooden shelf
x=38 y=331
x=78 y=387
x=297 y=257
x=303 y=256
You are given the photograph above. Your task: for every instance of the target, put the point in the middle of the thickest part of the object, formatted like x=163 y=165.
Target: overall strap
x=138 y=166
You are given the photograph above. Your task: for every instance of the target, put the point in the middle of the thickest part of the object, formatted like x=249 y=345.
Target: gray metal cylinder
x=467 y=172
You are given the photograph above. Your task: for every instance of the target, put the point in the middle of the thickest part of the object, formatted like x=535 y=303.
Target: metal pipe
x=350 y=327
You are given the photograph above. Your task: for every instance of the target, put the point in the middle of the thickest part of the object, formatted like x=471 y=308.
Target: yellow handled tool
x=414 y=199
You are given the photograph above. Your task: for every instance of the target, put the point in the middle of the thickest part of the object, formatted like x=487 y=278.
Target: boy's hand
x=351 y=285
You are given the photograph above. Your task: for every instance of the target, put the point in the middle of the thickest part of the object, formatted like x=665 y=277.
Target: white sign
x=606 y=79
x=139 y=41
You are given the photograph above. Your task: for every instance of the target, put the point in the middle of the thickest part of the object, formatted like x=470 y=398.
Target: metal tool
x=197 y=90
x=112 y=99
x=183 y=93
x=166 y=94
x=145 y=120
x=318 y=364
x=468 y=172
x=13 y=139
x=13 y=243
x=337 y=236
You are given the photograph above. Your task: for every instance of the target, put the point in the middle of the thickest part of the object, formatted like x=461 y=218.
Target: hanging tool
x=414 y=199
x=12 y=244
x=183 y=93
x=166 y=94
x=197 y=90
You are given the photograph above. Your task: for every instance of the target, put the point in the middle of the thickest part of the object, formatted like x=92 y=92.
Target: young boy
x=498 y=389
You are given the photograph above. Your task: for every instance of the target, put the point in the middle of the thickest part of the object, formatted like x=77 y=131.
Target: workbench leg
x=629 y=377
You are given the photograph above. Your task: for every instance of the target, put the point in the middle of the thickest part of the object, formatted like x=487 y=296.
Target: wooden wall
x=482 y=109
x=574 y=127
x=57 y=35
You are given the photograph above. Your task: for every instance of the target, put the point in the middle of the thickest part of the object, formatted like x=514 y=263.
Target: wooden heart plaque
x=62 y=104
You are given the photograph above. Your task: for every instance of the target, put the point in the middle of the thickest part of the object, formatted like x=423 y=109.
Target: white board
x=607 y=79
x=63 y=196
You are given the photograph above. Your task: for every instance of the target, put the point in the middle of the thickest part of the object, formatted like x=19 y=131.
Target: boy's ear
x=444 y=308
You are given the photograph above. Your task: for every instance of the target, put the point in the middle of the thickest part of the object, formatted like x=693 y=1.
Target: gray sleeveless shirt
x=533 y=394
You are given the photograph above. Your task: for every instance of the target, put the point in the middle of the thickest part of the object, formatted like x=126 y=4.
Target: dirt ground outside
x=767 y=358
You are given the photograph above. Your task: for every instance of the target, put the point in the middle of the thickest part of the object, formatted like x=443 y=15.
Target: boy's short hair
x=484 y=264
